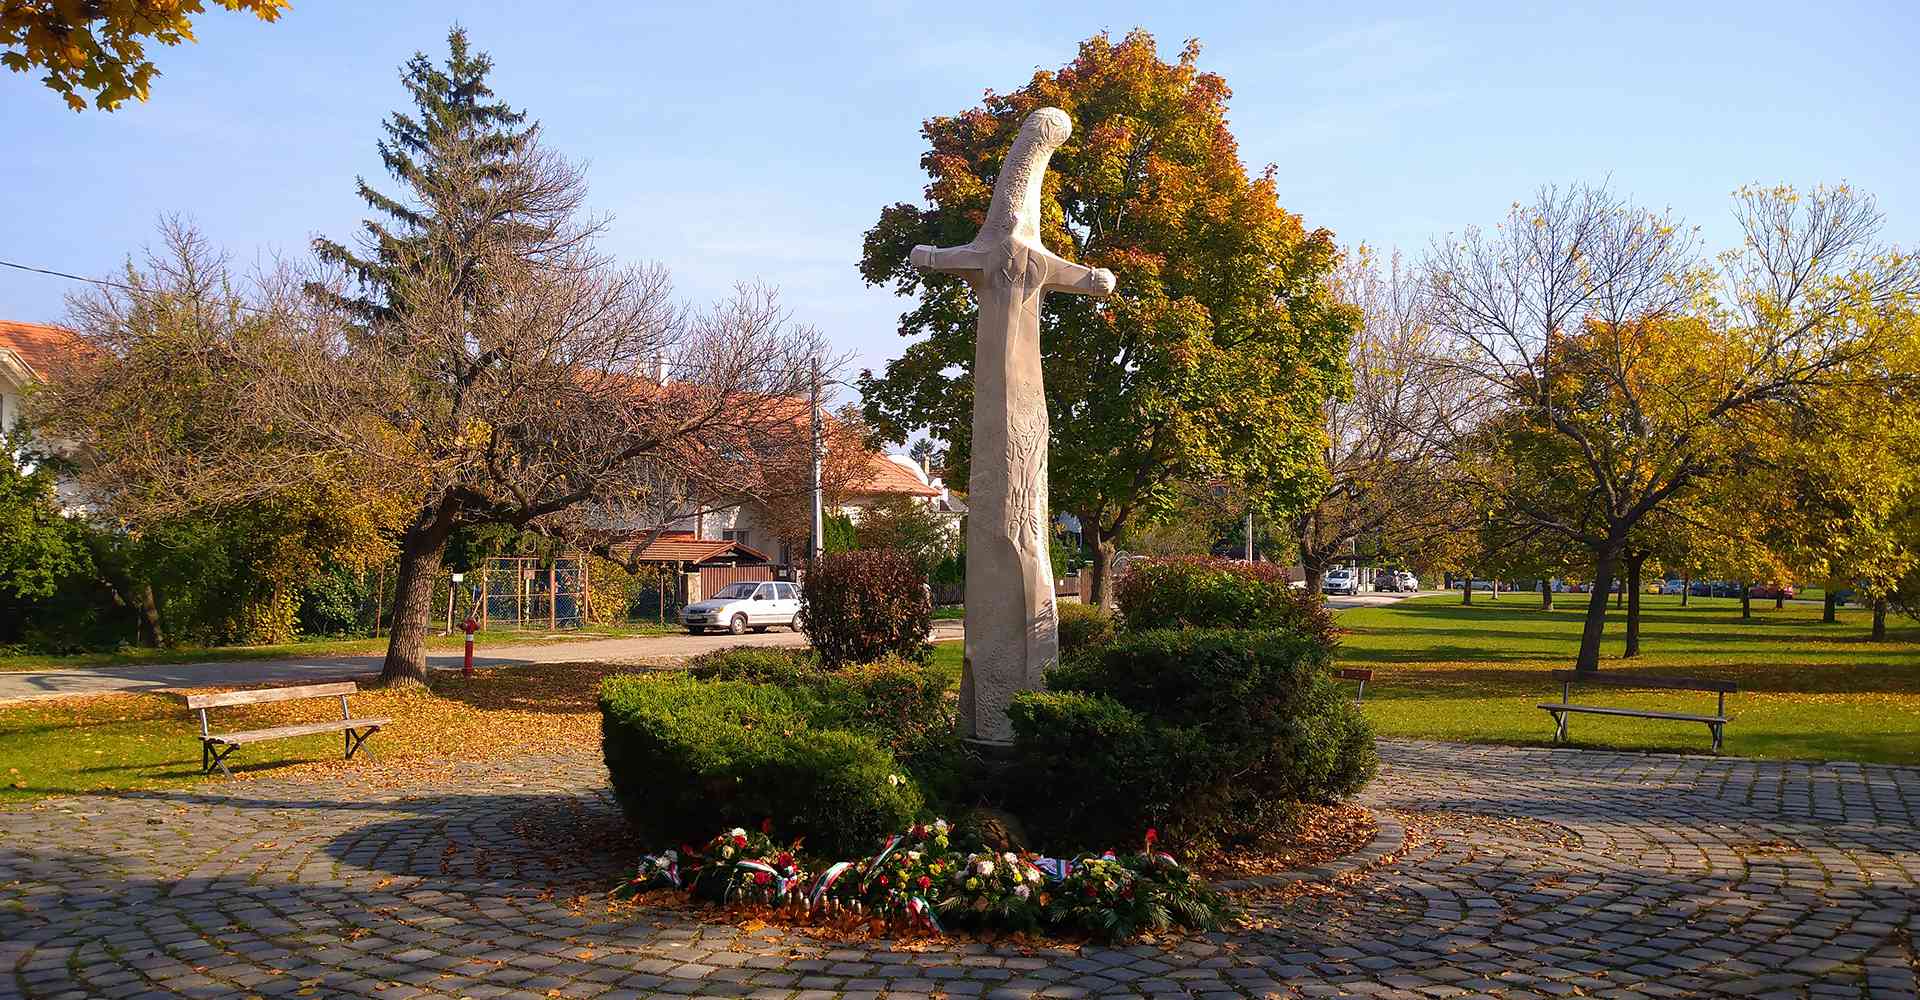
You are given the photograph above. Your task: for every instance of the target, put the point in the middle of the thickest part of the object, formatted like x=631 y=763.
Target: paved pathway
x=1526 y=873
x=32 y=685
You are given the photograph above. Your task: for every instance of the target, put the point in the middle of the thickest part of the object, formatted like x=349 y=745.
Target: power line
x=72 y=277
x=104 y=283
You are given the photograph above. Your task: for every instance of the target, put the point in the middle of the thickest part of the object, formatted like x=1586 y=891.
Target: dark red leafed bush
x=1199 y=592
x=857 y=607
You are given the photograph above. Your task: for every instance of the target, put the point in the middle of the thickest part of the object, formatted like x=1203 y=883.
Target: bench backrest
x=1644 y=681
x=1353 y=674
x=265 y=695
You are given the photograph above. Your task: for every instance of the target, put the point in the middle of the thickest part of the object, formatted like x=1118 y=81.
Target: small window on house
x=731 y=535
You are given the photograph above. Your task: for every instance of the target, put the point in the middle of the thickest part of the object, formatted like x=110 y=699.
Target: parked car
x=1769 y=591
x=1408 y=583
x=1673 y=588
x=1341 y=581
x=745 y=605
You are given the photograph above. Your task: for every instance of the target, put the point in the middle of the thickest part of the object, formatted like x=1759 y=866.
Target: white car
x=745 y=605
x=1408 y=583
x=1341 y=581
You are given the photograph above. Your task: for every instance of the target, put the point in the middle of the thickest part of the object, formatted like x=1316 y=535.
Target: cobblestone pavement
x=1525 y=873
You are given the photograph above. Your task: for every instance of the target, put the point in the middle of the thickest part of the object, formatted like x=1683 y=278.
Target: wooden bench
x=216 y=747
x=1715 y=723
x=1356 y=674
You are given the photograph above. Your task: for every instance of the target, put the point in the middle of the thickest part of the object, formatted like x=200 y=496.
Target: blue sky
x=734 y=142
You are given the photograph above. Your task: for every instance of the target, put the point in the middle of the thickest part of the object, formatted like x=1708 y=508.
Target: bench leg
x=354 y=739
x=1717 y=729
x=1559 y=726
x=212 y=755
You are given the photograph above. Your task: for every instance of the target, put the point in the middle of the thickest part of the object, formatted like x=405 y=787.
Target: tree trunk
x=1830 y=609
x=147 y=606
x=1466 y=588
x=1686 y=589
x=1634 y=562
x=420 y=551
x=1746 y=599
x=1779 y=599
x=1880 y=620
x=1596 y=623
x=1546 y=594
x=1314 y=573
x=1099 y=591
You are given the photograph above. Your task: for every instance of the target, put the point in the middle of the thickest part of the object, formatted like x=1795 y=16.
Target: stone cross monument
x=1012 y=632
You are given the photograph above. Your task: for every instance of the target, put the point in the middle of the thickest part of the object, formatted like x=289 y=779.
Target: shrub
x=330 y=603
x=861 y=606
x=687 y=756
x=1082 y=626
x=1199 y=592
x=759 y=664
x=1207 y=734
x=895 y=702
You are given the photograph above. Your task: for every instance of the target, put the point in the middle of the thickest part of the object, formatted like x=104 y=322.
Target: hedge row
x=688 y=754
x=1206 y=734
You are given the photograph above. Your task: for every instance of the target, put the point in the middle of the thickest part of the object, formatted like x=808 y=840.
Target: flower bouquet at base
x=900 y=885
x=734 y=866
x=1003 y=891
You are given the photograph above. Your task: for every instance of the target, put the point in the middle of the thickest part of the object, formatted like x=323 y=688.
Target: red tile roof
x=41 y=348
x=682 y=546
x=888 y=477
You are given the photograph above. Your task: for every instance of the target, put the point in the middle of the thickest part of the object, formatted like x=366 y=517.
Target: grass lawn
x=1808 y=690
x=150 y=740
x=1443 y=671
x=315 y=647
x=144 y=740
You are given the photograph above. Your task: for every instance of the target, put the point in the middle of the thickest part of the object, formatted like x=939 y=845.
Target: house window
x=734 y=536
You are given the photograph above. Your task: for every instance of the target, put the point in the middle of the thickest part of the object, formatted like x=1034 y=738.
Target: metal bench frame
x=1356 y=674
x=1715 y=723
x=215 y=748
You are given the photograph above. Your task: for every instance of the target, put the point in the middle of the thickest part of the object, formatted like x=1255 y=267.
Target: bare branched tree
x=1386 y=454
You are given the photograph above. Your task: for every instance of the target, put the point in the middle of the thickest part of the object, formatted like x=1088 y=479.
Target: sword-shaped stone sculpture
x=1012 y=631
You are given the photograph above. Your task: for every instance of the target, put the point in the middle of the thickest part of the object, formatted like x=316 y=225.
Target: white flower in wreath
x=736 y=832
x=1022 y=891
x=1009 y=857
x=983 y=868
x=940 y=826
x=671 y=856
x=726 y=850
x=913 y=855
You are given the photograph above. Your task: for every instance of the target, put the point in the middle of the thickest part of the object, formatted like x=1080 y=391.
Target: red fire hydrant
x=470 y=627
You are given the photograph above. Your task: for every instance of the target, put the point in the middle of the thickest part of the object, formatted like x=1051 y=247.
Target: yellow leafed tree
x=100 y=46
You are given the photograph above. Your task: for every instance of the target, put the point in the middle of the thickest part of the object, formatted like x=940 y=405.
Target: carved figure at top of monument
x=1009 y=241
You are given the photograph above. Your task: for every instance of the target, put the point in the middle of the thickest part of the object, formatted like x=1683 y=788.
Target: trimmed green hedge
x=1200 y=592
x=688 y=755
x=1082 y=626
x=1209 y=735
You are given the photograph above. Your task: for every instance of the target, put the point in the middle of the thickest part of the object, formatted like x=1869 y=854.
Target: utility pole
x=819 y=515
x=1249 y=534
